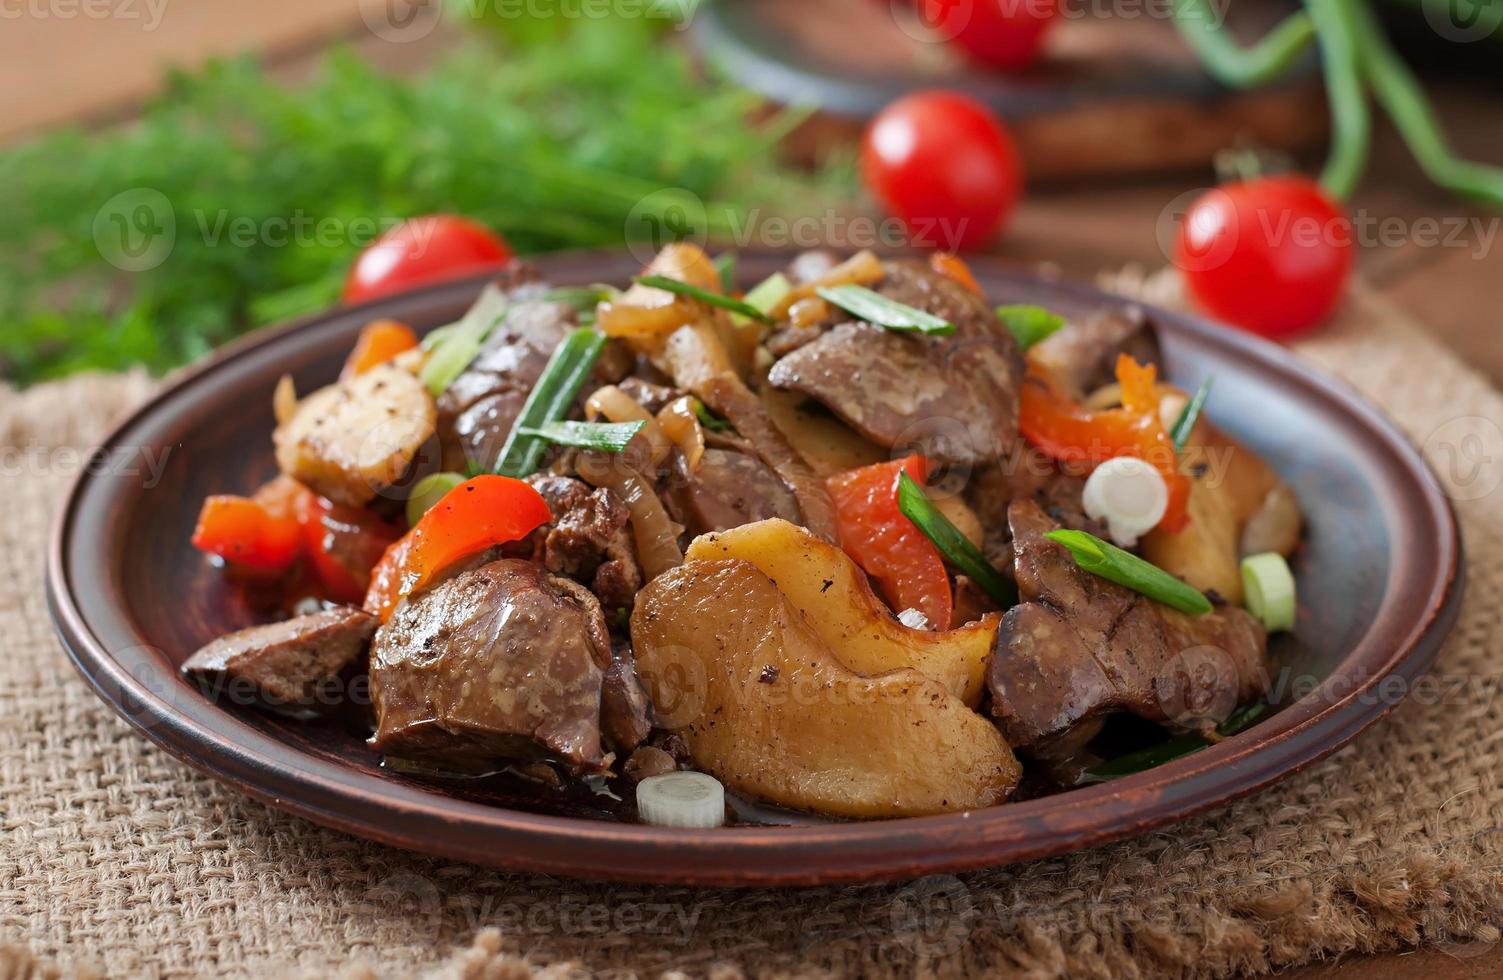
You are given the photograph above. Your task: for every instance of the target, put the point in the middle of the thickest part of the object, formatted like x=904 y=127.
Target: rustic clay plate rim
x=219 y=744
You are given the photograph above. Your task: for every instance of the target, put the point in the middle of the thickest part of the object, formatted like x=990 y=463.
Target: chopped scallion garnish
x=1268 y=590
x=584 y=299
x=1125 y=568
x=1189 y=415
x=428 y=492
x=1174 y=748
x=702 y=295
x=607 y=437
x=952 y=544
x=462 y=341
x=765 y=295
x=551 y=398
x=877 y=309
x=1029 y=324
x=725 y=264
x=709 y=419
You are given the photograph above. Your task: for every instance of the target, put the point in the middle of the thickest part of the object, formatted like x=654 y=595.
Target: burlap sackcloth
x=119 y=860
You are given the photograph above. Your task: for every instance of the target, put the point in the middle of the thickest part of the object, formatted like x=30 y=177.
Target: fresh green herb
x=725 y=264
x=428 y=492
x=437 y=336
x=953 y=545
x=1268 y=584
x=883 y=312
x=709 y=419
x=463 y=340
x=1112 y=563
x=1189 y=415
x=555 y=391
x=266 y=191
x=584 y=299
x=607 y=437
x=765 y=295
x=702 y=295
x=1029 y=324
x=1174 y=748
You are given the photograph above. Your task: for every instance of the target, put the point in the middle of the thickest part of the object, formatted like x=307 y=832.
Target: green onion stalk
x=1357 y=60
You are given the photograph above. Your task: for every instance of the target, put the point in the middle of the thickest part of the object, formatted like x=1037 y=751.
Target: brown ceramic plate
x=1380 y=582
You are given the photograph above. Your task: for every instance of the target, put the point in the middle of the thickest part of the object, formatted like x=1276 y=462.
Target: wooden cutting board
x=1112 y=95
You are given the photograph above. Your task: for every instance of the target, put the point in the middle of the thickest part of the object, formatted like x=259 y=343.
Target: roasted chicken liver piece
x=291 y=664
x=589 y=539
x=728 y=489
x=1079 y=646
x=953 y=398
x=501 y=664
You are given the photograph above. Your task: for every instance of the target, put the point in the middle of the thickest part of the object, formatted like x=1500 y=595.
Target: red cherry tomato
x=1002 y=34
x=421 y=251
x=944 y=164
x=1271 y=255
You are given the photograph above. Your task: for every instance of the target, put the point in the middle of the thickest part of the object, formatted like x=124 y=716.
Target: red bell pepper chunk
x=1062 y=429
x=954 y=267
x=342 y=545
x=379 y=342
x=478 y=514
x=887 y=545
x=248 y=533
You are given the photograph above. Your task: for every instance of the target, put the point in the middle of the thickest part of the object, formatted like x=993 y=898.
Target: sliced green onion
x=703 y=295
x=725 y=264
x=428 y=492
x=608 y=437
x=463 y=340
x=436 y=336
x=1174 y=748
x=1268 y=587
x=1125 y=568
x=1189 y=415
x=765 y=295
x=693 y=800
x=953 y=545
x=709 y=419
x=584 y=299
x=1029 y=324
x=877 y=309
x=551 y=397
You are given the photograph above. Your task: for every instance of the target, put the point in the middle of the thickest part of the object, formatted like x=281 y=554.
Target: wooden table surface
x=56 y=71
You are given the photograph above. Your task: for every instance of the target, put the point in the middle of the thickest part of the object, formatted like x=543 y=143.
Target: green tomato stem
x=1404 y=100
x=1336 y=26
x=1230 y=63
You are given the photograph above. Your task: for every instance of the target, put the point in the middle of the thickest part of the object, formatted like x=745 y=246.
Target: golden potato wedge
x=350 y=440
x=766 y=708
x=832 y=593
x=1238 y=506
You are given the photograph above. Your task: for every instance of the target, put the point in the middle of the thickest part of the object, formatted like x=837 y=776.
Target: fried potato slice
x=349 y=441
x=1238 y=506
x=832 y=593
x=764 y=705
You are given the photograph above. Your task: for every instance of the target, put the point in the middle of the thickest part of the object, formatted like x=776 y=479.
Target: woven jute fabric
x=118 y=861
